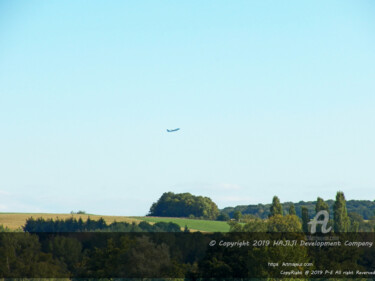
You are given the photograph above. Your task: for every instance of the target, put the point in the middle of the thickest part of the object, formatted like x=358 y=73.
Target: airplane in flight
x=174 y=130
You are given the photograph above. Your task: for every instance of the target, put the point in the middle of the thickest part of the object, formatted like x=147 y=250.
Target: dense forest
x=164 y=255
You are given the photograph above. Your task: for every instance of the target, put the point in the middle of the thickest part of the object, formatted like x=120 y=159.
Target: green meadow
x=193 y=224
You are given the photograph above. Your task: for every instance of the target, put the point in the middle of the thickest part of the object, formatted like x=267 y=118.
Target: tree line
x=73 y=225
x=364 y=208
x=357 y=215
x=281 y=220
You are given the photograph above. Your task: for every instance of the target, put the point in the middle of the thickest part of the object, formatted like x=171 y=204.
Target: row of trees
x=364 y=208
x=342 y=220
x=73 y=225
x=353 y=215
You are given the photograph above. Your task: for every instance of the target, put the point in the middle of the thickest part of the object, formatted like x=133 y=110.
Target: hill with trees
x=184 y=205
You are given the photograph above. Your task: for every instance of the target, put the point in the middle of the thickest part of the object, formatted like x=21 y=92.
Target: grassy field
x=201 y=225
x=17 y=220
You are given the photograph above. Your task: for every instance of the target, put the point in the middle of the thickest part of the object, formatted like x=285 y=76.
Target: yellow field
x=15 y=221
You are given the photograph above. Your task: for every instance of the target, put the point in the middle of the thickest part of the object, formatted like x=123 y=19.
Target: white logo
x=323 y=222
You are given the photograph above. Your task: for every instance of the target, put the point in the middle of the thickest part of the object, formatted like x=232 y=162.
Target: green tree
x=305 y=219
x=341 y=220
x=4 y=229
x=223 y=217
x=247 y=218
x=276 y=208
x=357 y=223
x=289 y=223
x=256 y=225
x=186 y=229
x=321 y=205
x=237 y=215
x=292 y=210
x=235 y=226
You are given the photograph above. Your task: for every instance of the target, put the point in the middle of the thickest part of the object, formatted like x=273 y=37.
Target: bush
x=223 y=217
x=79 y=212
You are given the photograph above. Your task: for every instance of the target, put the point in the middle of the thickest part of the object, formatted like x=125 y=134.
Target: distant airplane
x=174 y=130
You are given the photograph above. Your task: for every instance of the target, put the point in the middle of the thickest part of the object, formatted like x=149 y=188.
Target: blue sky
x=272 y=98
